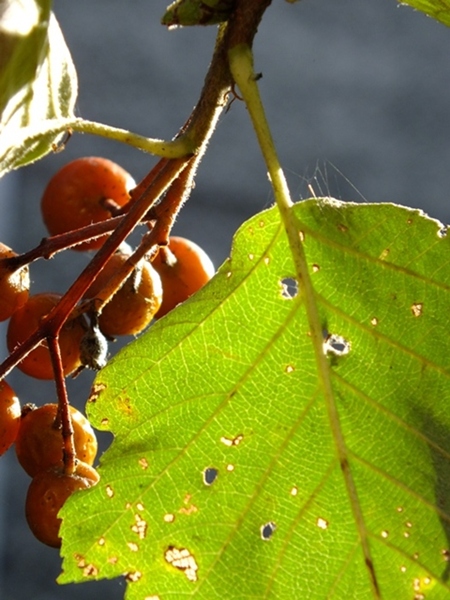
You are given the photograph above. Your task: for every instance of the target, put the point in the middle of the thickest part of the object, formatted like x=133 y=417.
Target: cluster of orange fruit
x=85 y=191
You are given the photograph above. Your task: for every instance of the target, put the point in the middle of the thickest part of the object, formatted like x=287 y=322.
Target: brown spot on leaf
x=133 y=546
x=133 y=576
x=90 y=571
x=183 y=560
x=124 y=404
x=417 y=309
x=96 y=389
x=139 y=527
x=235 y=441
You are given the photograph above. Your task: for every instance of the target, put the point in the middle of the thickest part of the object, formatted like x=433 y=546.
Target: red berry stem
x=64 y=416
x=50 y=246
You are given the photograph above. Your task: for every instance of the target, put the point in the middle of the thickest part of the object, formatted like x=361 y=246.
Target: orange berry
x=74 y=196
x=14 y=285
x=10 y=411
x=27 y=319
x=134 y=304
x=46 y=495
x=39 y=442
x=185 y=273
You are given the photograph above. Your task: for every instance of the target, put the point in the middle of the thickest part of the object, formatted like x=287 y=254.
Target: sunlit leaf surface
x=223 y=479
x=438 y=9
x=38 y=83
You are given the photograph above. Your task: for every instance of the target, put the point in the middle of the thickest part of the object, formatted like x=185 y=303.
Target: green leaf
x=197 y=12
x=438 y=9
x=223 y=479
x=38 y=83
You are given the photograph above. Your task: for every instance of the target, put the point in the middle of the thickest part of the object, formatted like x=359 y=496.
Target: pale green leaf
x=438 y=9
x=38 y=83
x=227 y=385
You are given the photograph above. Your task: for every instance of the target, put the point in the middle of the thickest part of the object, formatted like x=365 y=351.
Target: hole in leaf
x=442 y=232
x=289 y=288
x=210 y=475
x=336 y=344
x=267 y=530
x=182 y=559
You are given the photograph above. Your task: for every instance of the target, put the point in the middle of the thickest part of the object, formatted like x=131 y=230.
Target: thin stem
x=50 y=246
x=64 y=416
x=177 y=148
x=241 y=65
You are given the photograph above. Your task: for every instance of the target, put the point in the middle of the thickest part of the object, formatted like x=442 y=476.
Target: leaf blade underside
x=227 y=386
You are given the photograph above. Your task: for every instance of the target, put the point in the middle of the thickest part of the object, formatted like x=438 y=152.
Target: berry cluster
x=81 y=205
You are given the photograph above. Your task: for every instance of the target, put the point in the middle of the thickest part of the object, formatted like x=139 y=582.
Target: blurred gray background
x=358 y=96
